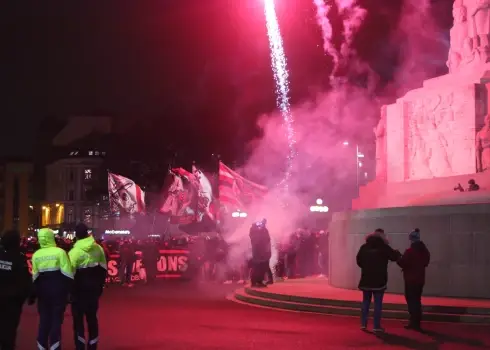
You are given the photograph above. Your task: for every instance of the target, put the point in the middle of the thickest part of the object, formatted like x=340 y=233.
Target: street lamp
x=359 y=156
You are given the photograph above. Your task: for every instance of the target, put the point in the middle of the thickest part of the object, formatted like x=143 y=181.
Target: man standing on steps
x=413 y=263
x=373 y=258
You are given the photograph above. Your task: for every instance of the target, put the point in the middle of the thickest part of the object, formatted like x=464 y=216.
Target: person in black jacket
x=261 y=253
x=372 y=258
x=15 y=287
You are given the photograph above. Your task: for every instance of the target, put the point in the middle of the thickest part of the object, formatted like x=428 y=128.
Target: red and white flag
x=236 y=191
x=125 y=195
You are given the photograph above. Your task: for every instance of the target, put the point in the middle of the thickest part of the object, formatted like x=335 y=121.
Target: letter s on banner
x=183 y=263
x=112 y=270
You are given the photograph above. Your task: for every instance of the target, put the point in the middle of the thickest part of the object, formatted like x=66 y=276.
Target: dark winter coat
x=373 y=258
x=261 y=244
x=413 y=263
x=15 y=279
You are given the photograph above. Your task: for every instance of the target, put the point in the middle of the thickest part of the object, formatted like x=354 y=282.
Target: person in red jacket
x=413 y=263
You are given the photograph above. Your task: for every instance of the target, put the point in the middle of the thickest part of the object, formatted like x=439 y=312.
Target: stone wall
x=458 y=237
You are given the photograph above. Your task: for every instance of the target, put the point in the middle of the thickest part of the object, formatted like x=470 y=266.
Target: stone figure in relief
x=381 y=156
x=461 y=45
x=483 y=146
x=480 y=28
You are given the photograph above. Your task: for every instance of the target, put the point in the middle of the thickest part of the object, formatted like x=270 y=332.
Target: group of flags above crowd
x=189 y=196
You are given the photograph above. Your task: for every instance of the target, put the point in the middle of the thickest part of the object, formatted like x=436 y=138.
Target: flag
x=125 y=195
x=204 y=194
x=180 y=197
x=236 y=191
x=171 y=204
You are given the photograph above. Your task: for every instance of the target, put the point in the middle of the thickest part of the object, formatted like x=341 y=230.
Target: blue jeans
x=367 y=295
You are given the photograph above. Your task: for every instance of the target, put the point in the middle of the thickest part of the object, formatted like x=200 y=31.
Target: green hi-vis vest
x=50 y=258
x=87 y=253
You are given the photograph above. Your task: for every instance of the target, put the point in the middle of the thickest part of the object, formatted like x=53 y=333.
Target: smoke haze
x=347 y=110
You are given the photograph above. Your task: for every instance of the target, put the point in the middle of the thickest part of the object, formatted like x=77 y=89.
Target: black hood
x=11 y=240
x=375 y=240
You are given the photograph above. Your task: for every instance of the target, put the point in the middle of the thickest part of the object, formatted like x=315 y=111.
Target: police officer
x=15 y=282
x=89 y=261
x=53 y=276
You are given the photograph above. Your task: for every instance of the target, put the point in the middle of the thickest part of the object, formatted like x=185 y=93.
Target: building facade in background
x=76 y=176
x=17 y=207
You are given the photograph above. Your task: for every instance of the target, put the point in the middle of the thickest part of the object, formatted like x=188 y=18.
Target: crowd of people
x=75 y=272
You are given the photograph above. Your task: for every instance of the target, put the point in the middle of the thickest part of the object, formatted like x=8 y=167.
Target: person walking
x=413 y=263
x=16 y=286
x=90 y=265
x=373 y=258
x=53 y=276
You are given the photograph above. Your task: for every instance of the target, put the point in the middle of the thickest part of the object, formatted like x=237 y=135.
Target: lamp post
x=359 y=155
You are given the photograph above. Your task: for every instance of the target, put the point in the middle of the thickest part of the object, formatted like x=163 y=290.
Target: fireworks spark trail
x=281 y=77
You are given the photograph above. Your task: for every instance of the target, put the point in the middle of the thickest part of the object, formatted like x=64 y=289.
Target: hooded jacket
x=413 y=263
x=51 y=269
x=90 y=265
x=15 y=279
x=261 y=244
x=373 y=258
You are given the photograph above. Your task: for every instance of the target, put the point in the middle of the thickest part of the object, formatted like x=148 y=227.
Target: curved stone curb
x=437 y=309
x=253 y=298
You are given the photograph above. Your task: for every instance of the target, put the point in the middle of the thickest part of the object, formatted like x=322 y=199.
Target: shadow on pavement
x=398 y=340
x=441 y=338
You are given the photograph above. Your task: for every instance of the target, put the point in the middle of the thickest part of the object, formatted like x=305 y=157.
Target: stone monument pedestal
x=427 y=142
x=458 y=237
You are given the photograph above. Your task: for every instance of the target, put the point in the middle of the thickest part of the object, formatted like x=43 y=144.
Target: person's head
x=414 y=236
x=11 y=240
x=379 y=231
x=471 y=182
x=81 y=231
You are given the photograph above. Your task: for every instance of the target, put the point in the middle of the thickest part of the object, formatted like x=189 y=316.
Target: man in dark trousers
x=15 y=287
x=261 y=253
x=373 y=258
x=90 y=266
x=52 y=274
x=413 y=263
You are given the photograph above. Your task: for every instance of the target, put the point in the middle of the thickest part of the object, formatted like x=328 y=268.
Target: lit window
x=103 y=153
x=96 y=153
x=90 y=153
x=88 y=174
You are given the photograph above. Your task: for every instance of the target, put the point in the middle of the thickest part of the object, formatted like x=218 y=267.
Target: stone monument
x=427 y=142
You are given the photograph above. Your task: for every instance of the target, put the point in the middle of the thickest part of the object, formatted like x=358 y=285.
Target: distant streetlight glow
x=319 y=209
x=319 y=201
x=346 y=143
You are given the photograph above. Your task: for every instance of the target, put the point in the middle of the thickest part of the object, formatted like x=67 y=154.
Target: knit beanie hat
x=414 y=236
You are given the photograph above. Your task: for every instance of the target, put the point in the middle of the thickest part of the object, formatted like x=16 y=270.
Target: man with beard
x=414 y=262
x=261 y=253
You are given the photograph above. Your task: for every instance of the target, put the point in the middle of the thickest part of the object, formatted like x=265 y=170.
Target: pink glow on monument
x=345 y=111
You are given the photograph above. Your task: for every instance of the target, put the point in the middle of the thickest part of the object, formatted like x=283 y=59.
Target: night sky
x=201 y=63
